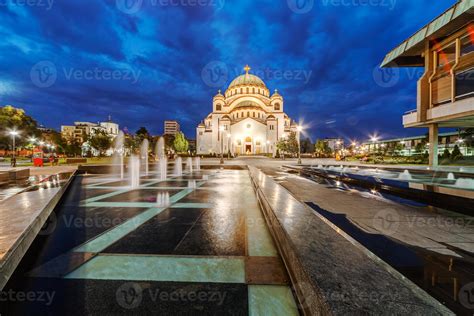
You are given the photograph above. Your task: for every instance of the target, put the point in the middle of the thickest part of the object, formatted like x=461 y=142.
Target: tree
x=456 y=154
x=321 y=148
x=13 y=118
x=292 y=146
x=288 y=145
x=180 y=144
x=306 y=146
x=100 y=141
x=142 y=133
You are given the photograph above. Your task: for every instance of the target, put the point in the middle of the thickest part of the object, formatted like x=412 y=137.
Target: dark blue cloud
x=147 y=66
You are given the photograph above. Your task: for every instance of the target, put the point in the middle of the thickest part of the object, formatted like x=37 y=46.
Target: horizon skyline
x=142 y=69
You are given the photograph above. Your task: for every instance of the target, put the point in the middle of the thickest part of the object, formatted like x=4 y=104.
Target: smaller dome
x=219 y=95
x=276 y=94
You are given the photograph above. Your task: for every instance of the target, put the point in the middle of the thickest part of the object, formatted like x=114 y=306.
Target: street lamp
x=14 y=134
x=374 y=139
x=221 y=129
x=299 y=129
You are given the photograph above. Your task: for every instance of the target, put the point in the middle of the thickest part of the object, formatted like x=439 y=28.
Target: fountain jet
x=189 y=164
x=134 y=171
x=144 y=154
x=178 y=167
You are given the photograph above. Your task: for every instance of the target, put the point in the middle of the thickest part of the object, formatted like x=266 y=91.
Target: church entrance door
x=248 y=145
x=248 y=149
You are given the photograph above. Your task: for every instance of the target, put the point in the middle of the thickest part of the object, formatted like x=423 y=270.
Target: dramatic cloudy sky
x=143 y=61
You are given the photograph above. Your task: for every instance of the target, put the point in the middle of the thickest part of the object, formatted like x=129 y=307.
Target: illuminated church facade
x=245 y=120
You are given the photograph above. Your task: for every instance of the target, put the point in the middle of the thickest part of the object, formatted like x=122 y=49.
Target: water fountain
x=451 y=176
x=160 y=148
x=197 y=161
x=144 y=154
x=178 y=167
x=405 y=175
x=192 y=184
x=189 y=164
x=163 y=166
x=163 y=199
x=134 y=171
x=119 y=152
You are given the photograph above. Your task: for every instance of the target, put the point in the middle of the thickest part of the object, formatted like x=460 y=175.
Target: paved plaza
x=109 y=248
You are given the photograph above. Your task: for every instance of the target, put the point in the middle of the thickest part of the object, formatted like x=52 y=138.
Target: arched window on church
x=277 y=106
x=248 y=114
x=241 y=90
x=253 y=90
x=253 y=114
x=248 y=90
x=218 y=107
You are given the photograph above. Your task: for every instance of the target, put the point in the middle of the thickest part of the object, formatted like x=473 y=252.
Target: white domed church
x=246 y=120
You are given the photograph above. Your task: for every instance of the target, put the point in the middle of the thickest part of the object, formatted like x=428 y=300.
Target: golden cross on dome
x=247 y=69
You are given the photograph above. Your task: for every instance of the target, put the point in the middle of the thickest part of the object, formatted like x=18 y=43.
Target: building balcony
x=410 y=117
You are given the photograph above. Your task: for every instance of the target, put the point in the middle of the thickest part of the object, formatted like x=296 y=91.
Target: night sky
x=143 y=61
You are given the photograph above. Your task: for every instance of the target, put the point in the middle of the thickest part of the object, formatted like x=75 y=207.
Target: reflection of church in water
x=245 y=120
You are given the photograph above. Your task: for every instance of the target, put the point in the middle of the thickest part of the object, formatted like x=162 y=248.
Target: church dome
x=247 y=79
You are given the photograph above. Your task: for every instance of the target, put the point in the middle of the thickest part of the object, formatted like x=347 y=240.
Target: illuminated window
x=277 y=107
x=467 y=44
x=447 y=55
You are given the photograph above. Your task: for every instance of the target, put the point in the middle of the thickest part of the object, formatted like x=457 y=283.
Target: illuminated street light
x=299 y=128
x=32 y=140
x=14 y=134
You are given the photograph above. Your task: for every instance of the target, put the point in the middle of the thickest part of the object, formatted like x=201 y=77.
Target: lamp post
x=14 y=134
x=299 y=129
x=374 y=139
x=221 y=129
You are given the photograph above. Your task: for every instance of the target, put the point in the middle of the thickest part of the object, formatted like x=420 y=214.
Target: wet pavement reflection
x=109 y=248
